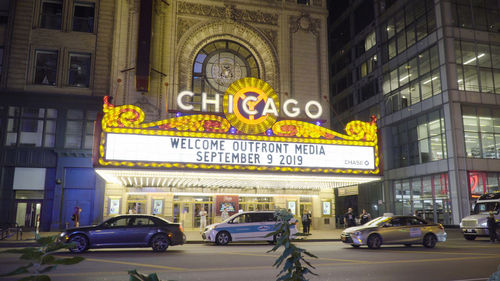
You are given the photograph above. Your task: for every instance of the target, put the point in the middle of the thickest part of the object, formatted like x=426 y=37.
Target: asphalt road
x=456 y=259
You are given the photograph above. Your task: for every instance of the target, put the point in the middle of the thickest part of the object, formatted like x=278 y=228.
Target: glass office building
x=430 y=71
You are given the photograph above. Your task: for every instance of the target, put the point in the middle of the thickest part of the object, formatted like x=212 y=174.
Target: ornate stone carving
x=160 y=7
x=183 y=24
x=185 y=8
x=272 y=35
x=306 y=23
x=229 y=12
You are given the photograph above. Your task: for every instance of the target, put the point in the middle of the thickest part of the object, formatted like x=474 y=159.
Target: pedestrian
x=492 y=227
x=76 y=216
x=349 y=218
x=364 y=217
x=224 y=215
x=203 y=219
x=306 y=221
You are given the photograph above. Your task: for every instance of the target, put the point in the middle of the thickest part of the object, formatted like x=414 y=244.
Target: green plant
x=42 y=259
x=495 y=276
x=293 y=270
x=136 y=276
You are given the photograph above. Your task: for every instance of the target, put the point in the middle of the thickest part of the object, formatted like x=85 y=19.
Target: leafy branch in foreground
x=495 y=276
x=293 y=270
x=41 y=259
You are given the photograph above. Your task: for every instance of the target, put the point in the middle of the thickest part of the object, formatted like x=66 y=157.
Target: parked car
x=126 y=231
x=405 y=230
x=246 y=226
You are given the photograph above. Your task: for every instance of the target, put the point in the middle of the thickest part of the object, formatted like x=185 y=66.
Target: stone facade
x=287 y=39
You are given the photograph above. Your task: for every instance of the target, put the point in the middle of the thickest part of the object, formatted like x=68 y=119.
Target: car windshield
x=486 y=207
x=377 y=221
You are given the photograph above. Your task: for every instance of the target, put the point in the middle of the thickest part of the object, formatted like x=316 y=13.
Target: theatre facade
x=244 y=160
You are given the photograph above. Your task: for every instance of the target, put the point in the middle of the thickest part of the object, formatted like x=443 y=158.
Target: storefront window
x=483 y=182
x=427 y=197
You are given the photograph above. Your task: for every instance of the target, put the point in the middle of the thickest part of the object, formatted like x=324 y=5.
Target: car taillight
x=180 y=228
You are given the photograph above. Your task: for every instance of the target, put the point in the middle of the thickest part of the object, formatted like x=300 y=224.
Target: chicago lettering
x=289 y=107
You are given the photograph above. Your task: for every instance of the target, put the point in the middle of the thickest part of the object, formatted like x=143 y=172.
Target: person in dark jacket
x=492 y=227
x=349 y=218
x=364 y=217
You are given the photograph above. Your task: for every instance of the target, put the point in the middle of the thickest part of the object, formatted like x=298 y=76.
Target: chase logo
x=264 y=228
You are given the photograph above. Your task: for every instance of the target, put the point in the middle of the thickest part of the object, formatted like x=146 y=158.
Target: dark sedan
x=126 y=231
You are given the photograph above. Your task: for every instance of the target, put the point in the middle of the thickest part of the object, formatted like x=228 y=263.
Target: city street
x=456 y=259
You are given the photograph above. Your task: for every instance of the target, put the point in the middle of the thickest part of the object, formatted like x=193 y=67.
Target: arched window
x=219 y=64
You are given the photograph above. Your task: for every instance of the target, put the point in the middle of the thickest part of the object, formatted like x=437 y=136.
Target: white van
x=246 y=226
x=475 y=225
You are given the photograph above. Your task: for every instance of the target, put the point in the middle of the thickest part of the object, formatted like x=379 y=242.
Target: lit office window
x=478 y=67
x=419 y=141
x=51 y=14
x=481 y=132
x=45 y=67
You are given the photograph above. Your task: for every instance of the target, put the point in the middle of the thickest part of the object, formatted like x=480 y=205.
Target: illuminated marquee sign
x=245 y=140
x=176 y=149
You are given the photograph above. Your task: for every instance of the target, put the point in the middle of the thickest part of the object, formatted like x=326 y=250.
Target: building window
x=476 y=14
x=83 y=17
x=79 y=70
x=478 y=67
x=408 y=26
x=28 y=126
x=481 y=132
x=427 y=197
x=51 y=14
x=219 y=64
x=419 y=141
x=412 y=82
x=79 y=128
x=45 y=67
x=483 y=182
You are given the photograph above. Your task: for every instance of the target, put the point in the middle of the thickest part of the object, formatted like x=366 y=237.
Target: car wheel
x=355 y=246
x=374 y=241
x=222 y=238
x=470 y=237
x=81 y=243
x=159 y=243
x=430 y=240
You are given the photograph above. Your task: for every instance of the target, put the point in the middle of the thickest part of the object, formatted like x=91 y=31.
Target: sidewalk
x=192 y=237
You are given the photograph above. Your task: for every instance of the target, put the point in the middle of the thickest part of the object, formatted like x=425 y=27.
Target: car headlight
x=357 y=233
x=461 y=225
x=484 y=224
